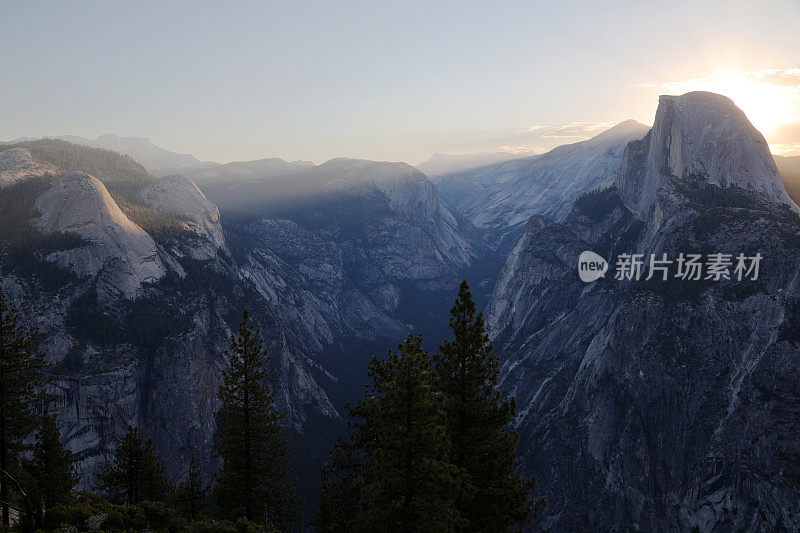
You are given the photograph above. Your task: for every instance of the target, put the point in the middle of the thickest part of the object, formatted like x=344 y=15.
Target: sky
x=397 y=81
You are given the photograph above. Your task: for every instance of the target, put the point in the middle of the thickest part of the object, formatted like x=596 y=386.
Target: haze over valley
x=452 y=267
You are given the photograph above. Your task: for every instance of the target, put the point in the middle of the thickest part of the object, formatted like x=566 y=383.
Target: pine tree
x=136 y=474
x=344 y=479
x=393 y=474
x=492 y=497
x=49 y=475
x=190 y=495
x=414 y=485
x=21 y=371
x=253 y=482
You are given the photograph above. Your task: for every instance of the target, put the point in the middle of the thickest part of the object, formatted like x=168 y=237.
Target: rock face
x=180 y=196
x=699 y=134
x=368 y=253
x=544 y=185
x=137 y=330
x=305 y=279
x=137 y=323
x=385 y=220
x=411 y=196
x=127 y=256
x=661 y=405
x=17 y=164
x=156 y=363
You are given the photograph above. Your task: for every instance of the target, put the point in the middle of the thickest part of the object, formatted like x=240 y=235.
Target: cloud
x=576 y=130
x=532 y=150
x=791 y=149
x=541 y=138
x=787 y=77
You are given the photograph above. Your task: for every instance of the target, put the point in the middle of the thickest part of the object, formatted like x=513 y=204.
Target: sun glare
x=766 y=103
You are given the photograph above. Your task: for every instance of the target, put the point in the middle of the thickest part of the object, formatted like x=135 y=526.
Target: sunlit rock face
x=699 y=134
x=80 y=204
x=661 y=405
x=138 y=336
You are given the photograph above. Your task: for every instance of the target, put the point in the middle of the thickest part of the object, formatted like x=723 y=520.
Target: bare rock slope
x=674 y=403
x=127 y=256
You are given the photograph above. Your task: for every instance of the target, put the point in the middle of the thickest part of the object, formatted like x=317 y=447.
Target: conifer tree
x=394 y=474
x=414 y=485
x=49 y=475
x=21 y=372
x=190 y=495
x=136 y=474
x=492 y=497
x=344 y=479
x=253 y=482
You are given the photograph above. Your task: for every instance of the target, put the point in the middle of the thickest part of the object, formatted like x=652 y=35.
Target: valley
x=135 y=282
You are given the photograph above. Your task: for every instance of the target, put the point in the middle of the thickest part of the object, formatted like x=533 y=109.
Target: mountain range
x=642 y=404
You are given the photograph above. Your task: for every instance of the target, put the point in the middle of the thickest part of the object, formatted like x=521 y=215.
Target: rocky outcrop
x=304 y=278
x=384 y=219
x=137 y=324
x=17 y=164
x=142 y=364
x=123 y=255
x=698 y=134
x=180 y=196
x=414 y=237
x=673 y=404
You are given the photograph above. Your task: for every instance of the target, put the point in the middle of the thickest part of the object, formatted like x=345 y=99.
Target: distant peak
x=115 y=137
x=630 y=124
x=624 y=128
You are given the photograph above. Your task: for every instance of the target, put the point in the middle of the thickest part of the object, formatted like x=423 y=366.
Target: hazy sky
x=385 y=80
